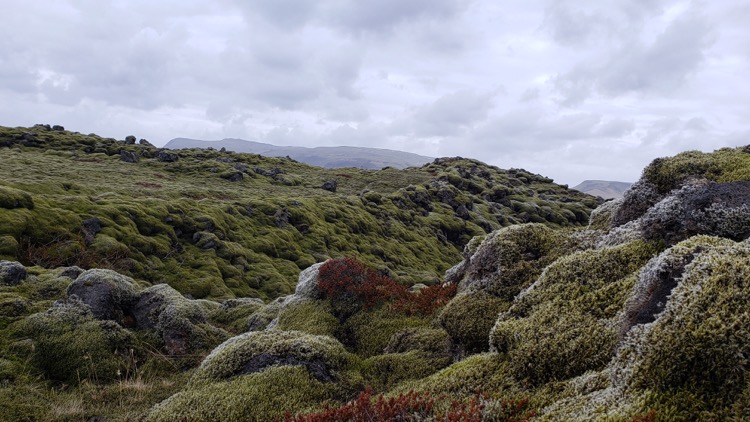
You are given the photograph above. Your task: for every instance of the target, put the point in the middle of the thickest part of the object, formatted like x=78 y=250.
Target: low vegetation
x=127 y=309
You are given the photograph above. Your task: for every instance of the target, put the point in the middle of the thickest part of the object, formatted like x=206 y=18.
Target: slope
x=221 y=224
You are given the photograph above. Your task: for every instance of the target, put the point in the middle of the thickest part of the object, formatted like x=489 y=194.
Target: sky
x=570 y=89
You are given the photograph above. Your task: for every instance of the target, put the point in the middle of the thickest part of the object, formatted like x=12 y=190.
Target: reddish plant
x=648 y=417
x=427 y=301
x=347 y=279
x=413 y=406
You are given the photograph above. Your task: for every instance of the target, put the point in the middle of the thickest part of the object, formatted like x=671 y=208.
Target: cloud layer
x=570 y=89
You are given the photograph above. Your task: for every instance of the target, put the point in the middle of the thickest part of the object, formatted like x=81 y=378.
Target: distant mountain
x=604 y=188
x=328 y=157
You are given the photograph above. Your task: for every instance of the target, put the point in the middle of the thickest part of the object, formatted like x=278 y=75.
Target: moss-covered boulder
x=260 y=396
x=566 y=322
x=485 y=372
x=368 y=333
x=510 y=259
x=233 y=314
x=659 y=277
x=11 y=198
x=312 y=317
x=424 y=339
x=70 y=345
x=468 y=319
x=385 y=371
x=180 y=322
x=716 y=209
x=109 y=294
x=11 y=273
x=323 y=357
x=700 y=341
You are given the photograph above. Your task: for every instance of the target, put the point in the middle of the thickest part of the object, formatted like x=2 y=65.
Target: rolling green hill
x=220 y=224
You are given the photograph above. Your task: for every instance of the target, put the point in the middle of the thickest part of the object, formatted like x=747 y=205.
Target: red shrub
x=412 y=406
x=349 y=279
x=427 y=301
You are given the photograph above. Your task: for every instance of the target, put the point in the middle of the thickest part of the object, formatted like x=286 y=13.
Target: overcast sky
x=571 y=89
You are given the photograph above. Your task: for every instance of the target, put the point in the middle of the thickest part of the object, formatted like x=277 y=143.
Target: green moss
x=383 y=372
x=566 y=324
x=601 y=217
x=233 y=356
x=699 y=342
x=724 y=165
x=485 y=372
x=8 y=247
x=309 y=317
x=430 y=340
x=369 y=332
x=260 y=396
x=260 y=235
x=233 y=314
x=14 y=198
x=70 y=346
x=469 y=317
x=511 y=258
x=180 y=322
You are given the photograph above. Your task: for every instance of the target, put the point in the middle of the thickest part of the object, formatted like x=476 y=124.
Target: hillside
x=603 y=188
x=641 y=315
x=329 y=157
x=218 y=224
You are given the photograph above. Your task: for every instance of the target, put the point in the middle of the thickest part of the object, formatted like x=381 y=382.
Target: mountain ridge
x=606 y=189
x=324 y=156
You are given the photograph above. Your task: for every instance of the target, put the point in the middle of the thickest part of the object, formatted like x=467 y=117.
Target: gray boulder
x=330 y=185
x=180 y=322
x=130 y=140
x=72 y=272
x=11 y=273
x=128 y=157
x=307 y=283
x=717 y=209
x=109 y=294
x=167 y=157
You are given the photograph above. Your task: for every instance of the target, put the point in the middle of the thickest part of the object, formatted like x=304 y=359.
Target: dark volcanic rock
x=72 y=272
x=128 y=157
x=11 y=273
x=718 y=209
x=90 y=228
x=330 y=185
x=130 y=140
x=167 y=157
x=109 y=294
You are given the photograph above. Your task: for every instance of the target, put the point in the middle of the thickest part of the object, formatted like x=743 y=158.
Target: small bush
x=405 y=407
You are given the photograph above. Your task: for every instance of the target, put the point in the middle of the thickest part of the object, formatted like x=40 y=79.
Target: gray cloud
x=660 y=67
x=449 y=115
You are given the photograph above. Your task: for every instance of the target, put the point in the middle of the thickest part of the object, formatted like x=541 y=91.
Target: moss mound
x=309 y=317
x=565 y=323
x=699 y=341
x=70 y=346
x=510 y=259
x=260 y=396
x=468 y=319
x=369 y=332
x=324 y=357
